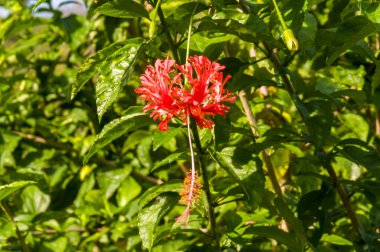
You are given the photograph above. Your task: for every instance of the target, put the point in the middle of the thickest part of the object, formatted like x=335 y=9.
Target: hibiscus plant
x=172 y=125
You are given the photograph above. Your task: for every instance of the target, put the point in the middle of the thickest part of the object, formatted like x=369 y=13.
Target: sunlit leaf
x=114 y=73
x=149 y=218
x=7 y=189
x=91 y=66
x=123 y=9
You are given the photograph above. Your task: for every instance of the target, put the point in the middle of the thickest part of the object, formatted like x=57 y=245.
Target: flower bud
x=290 y=40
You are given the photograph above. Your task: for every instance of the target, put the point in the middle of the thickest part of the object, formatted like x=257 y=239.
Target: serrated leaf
x=114 y=73
x=170 y=159
x=247 y=171
x=7 y=189
x=275 y=234
x=162 y=137
x=153 y=192
x=90 y=67
x=149 y=218
x=123 y=9
x=133 y=119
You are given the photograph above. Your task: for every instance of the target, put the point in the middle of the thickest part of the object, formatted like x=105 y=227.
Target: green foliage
x=83 y=168
x=6 y=190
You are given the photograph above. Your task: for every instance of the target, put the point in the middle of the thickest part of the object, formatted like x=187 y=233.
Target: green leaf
x=91 y=66
x=34 y=201
x=252 y=29
x=222 y=130
x=8 y=143
x=365 y=156
x=349 y=32
x=244 y=81
x=110 y=180
x=372 y=11
x=209 y=45
x=162 y=137
x=143 y=152
x=129 y=190
x=294 y=223
x=149 y=218
x=319 y=118
x=174 y=157
x=114 y=73
x=133 y=119
x=57 y=245
x=335 y=239
x=247 y=171
x=37 y=4
x=7 y=189
x=275 y=234
x=153 y=192
x=307 y=33
x=123 y=9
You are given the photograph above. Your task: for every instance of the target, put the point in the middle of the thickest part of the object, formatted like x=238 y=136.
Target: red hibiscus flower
x=168 y=97
x=207 y=90
x=159 y=88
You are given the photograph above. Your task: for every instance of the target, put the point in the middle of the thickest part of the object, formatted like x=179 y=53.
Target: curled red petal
x=207 y=89
x=159 y=89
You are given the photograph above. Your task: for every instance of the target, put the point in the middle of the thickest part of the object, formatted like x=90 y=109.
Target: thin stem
x=20 y=237
x=248 y=112
x=342 y=194
x=272 y=174
x=377 y=122
x=190 y=197
x=283 y=25
x=168 y=35
x=189 y=32
x=266 y=157
x=191 y=150
x=206 y=185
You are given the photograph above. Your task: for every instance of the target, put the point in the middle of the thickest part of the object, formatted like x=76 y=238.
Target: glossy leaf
x=91 y=66
x=114 y=73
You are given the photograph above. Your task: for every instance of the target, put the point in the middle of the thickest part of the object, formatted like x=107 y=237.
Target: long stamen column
x=191 y=188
